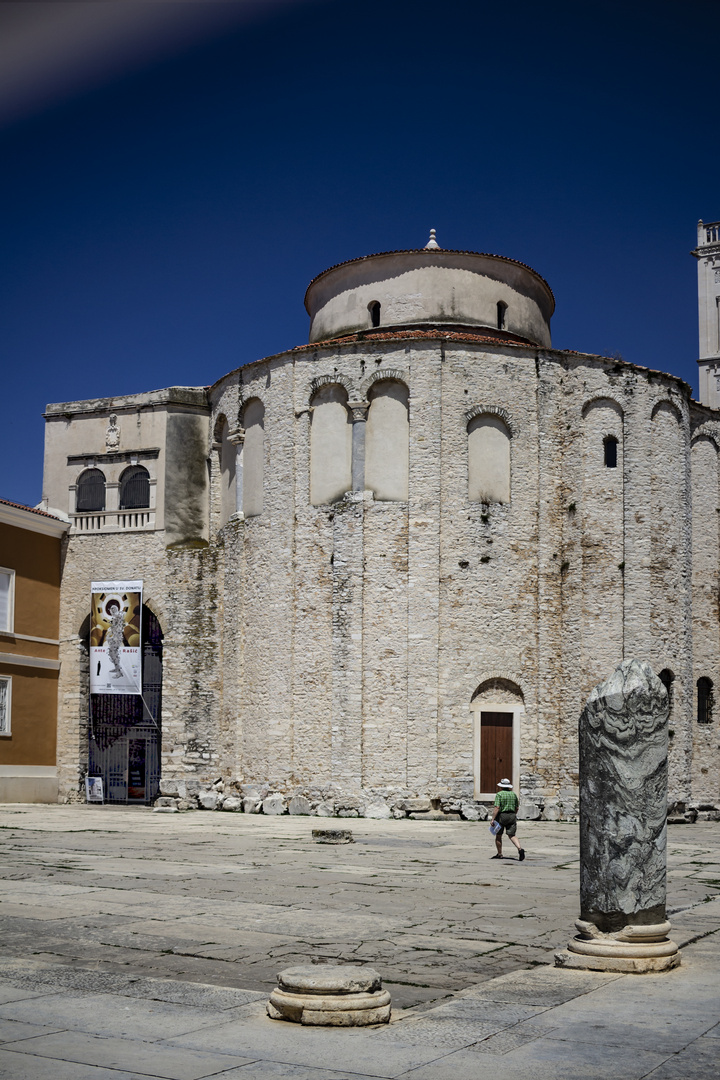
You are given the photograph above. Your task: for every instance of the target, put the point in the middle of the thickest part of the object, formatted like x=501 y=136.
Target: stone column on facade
x=358 y=412
x=623 y=737
x=237 y=437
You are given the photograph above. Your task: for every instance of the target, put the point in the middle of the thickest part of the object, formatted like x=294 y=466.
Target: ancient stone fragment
x=623 y=807
x=333 y=836
x=333 y=995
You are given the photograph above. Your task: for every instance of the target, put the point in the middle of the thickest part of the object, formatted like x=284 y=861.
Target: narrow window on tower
x=704 y=700
x=501 y=312
x=610 y=444
x=374 y=309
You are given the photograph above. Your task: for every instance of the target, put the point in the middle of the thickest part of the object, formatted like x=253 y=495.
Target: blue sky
x=161 y=222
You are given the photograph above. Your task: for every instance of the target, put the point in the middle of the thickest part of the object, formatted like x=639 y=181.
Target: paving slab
x=112 y=1015
x=14 y=1066
x=147 y=1059
x=540 y=1059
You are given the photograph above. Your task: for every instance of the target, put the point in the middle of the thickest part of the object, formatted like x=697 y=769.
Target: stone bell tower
x=707 y=254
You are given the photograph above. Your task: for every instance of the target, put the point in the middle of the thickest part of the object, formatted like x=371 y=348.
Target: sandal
x=496 y=856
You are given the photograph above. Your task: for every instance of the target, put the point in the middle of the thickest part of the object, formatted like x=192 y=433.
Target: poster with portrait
x=115 y=660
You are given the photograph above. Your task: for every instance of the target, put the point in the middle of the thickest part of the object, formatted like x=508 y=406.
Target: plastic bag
x=495 y=827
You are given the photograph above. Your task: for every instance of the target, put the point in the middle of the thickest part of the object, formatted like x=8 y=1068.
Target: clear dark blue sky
x=159 y=227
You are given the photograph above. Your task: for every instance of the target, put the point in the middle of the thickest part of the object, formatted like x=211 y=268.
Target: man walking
x=505 y=812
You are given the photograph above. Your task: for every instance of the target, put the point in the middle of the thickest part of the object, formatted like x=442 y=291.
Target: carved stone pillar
x=237 y=437
x=358 y=411
x=623 y=833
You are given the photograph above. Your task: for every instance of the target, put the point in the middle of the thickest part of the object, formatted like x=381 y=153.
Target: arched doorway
x=124 y=729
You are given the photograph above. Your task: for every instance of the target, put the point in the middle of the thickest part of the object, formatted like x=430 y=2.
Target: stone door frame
x=478 y=707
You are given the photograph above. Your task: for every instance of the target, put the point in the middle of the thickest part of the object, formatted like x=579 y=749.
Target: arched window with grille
x=90 y=493
x=135 y=488
x=704 y=700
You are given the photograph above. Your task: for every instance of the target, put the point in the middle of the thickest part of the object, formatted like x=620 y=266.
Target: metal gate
x=125 y=729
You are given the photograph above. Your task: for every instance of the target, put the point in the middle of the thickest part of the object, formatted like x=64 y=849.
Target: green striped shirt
x=507 y=801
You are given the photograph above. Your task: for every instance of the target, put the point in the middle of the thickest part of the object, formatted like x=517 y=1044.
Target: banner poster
x=115 y=662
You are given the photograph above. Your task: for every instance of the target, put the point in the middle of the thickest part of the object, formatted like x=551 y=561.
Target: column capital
x=358 y=410
x=236 y=436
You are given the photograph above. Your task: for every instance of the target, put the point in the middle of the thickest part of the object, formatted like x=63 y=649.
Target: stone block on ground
x=528 y=811
x=378 y=810
x=333 y=836
x=208 y=800
x=326 y=809
x=232 y=802
x=251 y=805
x=299 y=805
x=274 y=804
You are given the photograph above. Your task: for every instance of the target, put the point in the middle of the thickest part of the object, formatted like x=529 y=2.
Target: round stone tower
x=431 y=287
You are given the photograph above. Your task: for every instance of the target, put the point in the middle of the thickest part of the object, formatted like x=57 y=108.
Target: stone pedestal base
x=332 y=995
x=634 y=949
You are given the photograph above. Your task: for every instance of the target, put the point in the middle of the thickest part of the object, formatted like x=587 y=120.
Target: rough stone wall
x=705 y=771
x=336 y=649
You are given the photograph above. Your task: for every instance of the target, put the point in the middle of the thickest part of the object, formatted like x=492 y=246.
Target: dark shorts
x=508 y=822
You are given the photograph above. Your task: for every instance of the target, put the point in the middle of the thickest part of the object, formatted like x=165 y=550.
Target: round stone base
x=635 y=948
x=633 y=965
x=331 y=995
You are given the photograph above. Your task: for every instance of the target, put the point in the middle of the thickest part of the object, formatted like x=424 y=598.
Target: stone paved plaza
x=138 y=944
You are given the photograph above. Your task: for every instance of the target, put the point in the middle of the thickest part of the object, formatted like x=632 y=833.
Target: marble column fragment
x=623 y=739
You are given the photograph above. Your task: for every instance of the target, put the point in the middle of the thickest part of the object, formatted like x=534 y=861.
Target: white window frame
x=9 y=629
x=7 y=730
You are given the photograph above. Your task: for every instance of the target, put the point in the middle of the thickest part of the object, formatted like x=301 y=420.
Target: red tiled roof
x=415 y=335
x=30 y=509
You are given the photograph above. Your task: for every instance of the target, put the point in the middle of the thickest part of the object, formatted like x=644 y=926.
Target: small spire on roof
x=432 y=242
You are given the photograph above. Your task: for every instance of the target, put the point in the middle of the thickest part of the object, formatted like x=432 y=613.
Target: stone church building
x=385 y=569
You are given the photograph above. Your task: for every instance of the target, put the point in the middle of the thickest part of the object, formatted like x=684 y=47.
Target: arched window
x=253 y=458
x=330 y=446
x=488 y=459
x=667 y=678
x=135 y=488
x=704 y=700
x=387 y=434
x=374 y=309
x=610 y=445
x=501 y=311
x=90 y=493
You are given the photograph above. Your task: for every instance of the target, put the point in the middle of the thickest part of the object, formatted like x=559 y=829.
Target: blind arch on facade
x=330 y=445
x=253 y=458
x=135 y=488
x=488 y=459
x=387 y=441
x=90 y=492
x=227 y=457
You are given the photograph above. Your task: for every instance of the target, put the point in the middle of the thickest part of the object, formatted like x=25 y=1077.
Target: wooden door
x=495 y=749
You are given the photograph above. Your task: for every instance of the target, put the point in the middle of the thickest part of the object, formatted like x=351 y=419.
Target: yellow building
x=30 y=567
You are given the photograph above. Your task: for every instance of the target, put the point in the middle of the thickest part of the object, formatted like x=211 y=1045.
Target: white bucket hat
x=505 y=784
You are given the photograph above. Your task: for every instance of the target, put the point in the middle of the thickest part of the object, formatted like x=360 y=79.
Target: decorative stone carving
x=299 y=805
x=358 y=410
x=623 y=836
x=112 y=434
x=333 y=995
